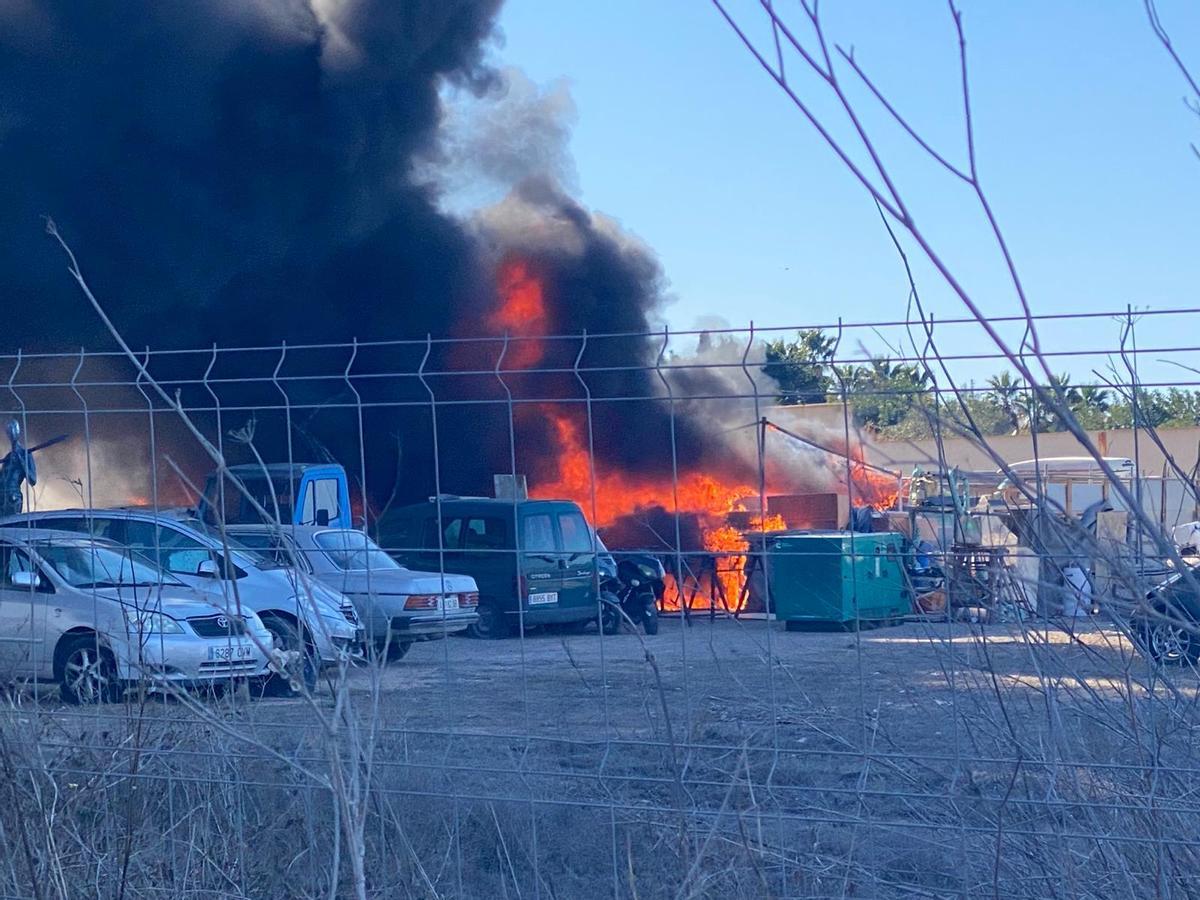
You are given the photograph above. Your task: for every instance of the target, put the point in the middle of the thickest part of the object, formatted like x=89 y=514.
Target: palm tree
x=1007 y=393
x=1094 y=401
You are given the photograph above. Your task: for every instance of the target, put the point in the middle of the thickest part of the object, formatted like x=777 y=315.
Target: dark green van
x=550 y=580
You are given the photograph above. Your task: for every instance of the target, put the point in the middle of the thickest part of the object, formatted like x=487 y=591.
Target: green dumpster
x=836 y=578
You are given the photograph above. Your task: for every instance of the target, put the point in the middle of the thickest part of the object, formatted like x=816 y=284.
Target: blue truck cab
x=303 y=494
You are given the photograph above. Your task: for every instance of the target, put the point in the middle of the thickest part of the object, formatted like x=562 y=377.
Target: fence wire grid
x=894 y=652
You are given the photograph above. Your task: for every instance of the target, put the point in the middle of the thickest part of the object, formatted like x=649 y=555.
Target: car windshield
x=94 y=566
x=353 y=550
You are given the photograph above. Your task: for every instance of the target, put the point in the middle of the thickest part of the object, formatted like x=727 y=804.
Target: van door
x=541 y=574
x=487 y=556
x=577 y=561
x=434 y=546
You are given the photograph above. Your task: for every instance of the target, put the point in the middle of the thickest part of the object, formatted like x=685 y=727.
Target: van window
x=396 y=534
x=537 y=534
x=450 y=534
x=236 y=509
x=321 y=496
x=485 y=534
x=576 y=536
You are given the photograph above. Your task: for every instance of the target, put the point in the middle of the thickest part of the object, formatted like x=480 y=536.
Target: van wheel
x=301 y=672
x=88 y=673
x=491 y=624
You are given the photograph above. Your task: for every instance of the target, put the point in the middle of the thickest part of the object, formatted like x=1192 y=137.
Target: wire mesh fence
x=909 y=638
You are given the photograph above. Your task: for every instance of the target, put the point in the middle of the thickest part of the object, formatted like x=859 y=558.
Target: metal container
x=837 y=578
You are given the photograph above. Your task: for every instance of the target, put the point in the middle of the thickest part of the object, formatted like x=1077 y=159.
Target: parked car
x=1168 y=627
x=552 y=580
x=398 y=605
x=96 y=618
x=305 y=617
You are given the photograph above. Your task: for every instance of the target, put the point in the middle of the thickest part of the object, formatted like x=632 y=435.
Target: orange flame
x=715 y=579
x=719 y=583
x=872 y=487
x=522 y=313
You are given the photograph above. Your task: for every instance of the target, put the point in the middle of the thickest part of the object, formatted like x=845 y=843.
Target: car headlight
x=152 y=623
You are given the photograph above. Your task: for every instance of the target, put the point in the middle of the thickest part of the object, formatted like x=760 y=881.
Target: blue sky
x=1082 y=136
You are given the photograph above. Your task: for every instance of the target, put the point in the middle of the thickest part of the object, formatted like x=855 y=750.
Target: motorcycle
x=630 y=589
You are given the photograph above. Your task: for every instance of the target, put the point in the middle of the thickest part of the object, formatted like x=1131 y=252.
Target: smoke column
x=243 y=172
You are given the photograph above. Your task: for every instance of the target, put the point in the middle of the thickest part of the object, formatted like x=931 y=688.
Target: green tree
x=1007 y=395
x=884 y=393
x=1154 y=409
x=801 y=366
x=1182 y=408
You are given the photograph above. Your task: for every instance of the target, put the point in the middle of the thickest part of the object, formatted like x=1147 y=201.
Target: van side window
x=576 y=536
x=537 y=534
x=399 y=535
x=485 y=534
x=320 y=505
x=450 y=535
x=327 y=508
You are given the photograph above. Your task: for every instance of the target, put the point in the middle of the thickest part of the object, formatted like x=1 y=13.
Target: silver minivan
x=97 y=619
x=312 y=623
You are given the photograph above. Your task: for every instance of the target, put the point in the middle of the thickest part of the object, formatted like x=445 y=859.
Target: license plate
x=543 y=598
x=230 y=652
x=450 y=603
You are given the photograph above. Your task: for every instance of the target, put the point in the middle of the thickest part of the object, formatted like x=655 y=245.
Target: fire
x=716 y=580
x=619 y=494
x=521 y=313
x=726 y=512
x=872 y=487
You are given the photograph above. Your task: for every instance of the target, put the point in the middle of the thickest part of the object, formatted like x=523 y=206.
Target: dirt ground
x=733 y=680
x=722 y=758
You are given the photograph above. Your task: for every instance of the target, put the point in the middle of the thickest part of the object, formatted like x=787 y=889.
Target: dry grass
x=921 y=761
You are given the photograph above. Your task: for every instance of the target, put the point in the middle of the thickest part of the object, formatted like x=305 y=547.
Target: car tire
x=1168 y=641
x=88 y=673
x=286 y=636
x=650 y=616
x=490 y=625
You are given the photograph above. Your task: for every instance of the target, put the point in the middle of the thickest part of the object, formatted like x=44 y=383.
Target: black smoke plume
x=246 y=172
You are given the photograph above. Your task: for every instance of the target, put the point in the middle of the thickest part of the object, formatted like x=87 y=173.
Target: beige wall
x=1181 y=443
x=1164 y=492
x=828 y=419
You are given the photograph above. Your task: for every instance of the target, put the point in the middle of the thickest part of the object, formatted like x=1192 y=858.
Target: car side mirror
x=208 y=568
x=323 y=518
x=26 y=580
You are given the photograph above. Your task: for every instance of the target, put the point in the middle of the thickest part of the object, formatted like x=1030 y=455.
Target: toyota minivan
x=550 y=580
